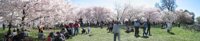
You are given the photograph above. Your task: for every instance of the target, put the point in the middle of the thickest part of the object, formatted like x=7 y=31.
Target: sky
x=191 y=5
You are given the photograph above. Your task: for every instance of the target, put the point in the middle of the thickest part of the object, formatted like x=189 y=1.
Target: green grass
x=158 y=34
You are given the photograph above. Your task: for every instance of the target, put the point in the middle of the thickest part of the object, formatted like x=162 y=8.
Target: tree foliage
x=169 y=5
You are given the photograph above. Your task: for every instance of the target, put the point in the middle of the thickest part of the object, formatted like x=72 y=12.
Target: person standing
x=145 y=28
x=164 y=25
x=110 y=27
x=116 y=31
x=101 y=24
x=68 y=29
x=149 y=27
x=89 y=28
x=76 y=25
x=3 y=26
x=72 y=28
x=128 y=29
x=137 y=25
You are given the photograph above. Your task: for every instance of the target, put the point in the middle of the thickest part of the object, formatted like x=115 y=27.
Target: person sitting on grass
x=41 y=36
x=59 y=37
x=25 y=33
x=16 y=37
x=63 y=31
x=51 y=37
x=14 y=33
x=116 y=30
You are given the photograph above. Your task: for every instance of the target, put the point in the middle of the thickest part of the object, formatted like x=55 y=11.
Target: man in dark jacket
x=137 y=25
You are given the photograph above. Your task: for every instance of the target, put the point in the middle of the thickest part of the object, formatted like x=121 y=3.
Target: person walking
x=169 y=27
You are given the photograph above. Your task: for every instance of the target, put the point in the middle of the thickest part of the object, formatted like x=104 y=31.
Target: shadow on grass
x=2 y=32
x=1 y=36
x=171 y=33
x=145 y=37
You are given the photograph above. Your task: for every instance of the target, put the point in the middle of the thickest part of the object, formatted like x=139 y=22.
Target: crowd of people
x=70 y=30
x=16 y=35
x=67 y=32
x=134 y=26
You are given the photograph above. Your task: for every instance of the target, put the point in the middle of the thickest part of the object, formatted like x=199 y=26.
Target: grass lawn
x=99 y=34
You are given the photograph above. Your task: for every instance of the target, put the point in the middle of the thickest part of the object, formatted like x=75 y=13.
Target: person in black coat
x=149 y=27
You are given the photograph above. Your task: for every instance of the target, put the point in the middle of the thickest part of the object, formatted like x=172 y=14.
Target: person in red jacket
x=67 y=26
x=71 y=27
x=51 y=37
x=76 y=26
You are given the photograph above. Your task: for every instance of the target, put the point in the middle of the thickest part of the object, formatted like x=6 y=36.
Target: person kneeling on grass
x=116 y=30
